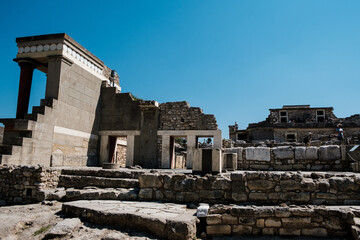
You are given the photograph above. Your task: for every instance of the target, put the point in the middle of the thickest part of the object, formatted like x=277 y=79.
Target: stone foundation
x=315 y=221
x=253 y=188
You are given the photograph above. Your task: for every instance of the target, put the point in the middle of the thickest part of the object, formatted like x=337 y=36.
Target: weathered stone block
x=283 y=152
x=242 y=230
x=261 y=184
x=257 y=153
x=146 y=194
x=268 y=231
x=272 y=222
x=149 y=181
x=260 y=223
x=222 y=184
x=249 y=221
x=330 y=152
x=306 y=153
x=289 y=232
x=296 y=222
x=228 y=219
x=239 y=197
x=213 y=219
x=290 y=185
x=218 y=230
x=314 y=232
x=257 y=196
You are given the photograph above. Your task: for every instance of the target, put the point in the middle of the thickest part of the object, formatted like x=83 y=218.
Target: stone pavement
x=165 y=220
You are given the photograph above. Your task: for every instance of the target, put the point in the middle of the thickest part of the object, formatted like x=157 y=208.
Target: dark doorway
x=206 y=161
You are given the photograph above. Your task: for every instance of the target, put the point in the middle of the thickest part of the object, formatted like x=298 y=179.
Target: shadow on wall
x=93 y=151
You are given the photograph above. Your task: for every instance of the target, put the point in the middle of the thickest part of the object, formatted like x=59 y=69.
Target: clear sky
x=234 y=59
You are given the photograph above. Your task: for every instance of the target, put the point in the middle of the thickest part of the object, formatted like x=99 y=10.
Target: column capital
x=26 y=63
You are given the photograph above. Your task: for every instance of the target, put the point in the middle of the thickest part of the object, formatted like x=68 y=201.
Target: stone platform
x=165 y=220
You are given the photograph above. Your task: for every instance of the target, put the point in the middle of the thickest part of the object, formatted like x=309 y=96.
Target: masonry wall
x=314 y=221
x=180 y=116
x=77 y=112
x=253 y=188
x=20 y=185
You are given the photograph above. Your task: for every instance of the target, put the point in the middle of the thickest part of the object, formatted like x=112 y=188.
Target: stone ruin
x=263 y=188
x=292 y=123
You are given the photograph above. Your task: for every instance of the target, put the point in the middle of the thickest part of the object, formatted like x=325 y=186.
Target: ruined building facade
x=83 y=108
x=293 y=122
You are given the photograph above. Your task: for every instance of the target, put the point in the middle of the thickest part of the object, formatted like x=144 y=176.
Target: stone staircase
x=19 y=146
x=95 y=184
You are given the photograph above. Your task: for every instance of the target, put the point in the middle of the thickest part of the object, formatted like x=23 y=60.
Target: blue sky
x=234 y=59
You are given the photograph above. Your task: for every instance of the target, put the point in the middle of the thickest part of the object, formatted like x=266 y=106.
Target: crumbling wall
x=180 y=116
x=22 y=184
x=253 y=188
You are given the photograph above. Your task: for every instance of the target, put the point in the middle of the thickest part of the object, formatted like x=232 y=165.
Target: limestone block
x=305 y=153
x=63 y=228
x=285 y=152
x=237 y=150
x=268 y=231
x=296 y=222
x=146 y=193
x=242 y=230
x=333 y=223
x=314 y=232
x=331 y=152
x=289 y=232
x=257 y=153
x=228 y=219
x=272 y=222
x=290 y=185
x=249 y=221
x=261 y=184
x=218 y=230
x=239 y=197
x=149 y=181
x=222 y=184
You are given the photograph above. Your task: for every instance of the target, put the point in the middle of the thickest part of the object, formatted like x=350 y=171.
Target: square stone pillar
x=104 y=152
x=191 y=147
x=130 y=150
x=165 y=148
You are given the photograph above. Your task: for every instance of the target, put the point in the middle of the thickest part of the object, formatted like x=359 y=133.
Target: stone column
x=112 y=149
x=130 y=150
x=26 y=74
x=191 y=146
x=104 y=153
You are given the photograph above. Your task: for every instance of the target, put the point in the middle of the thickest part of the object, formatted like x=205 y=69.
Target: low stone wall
x=21 y=184
x=315 y=221
x=253 y=188
x=286 y=158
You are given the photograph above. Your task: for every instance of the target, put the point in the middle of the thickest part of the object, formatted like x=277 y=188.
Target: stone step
x=16 y=137
x=4 y=158
x=131 y=174
x=169 y=221
x=88 y=193
x=39 y=109
x=73 y=181
x=6 y=149
x=17 y=124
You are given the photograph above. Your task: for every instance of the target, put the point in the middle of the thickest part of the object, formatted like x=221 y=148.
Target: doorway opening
x=178 y=152
x=121 y=149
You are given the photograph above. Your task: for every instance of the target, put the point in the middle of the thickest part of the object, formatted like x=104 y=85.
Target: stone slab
x=165 y=220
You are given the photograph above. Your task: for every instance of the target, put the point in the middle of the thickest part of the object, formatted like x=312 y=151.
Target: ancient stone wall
x=253 y=188
x=21 y=184
x=315 y=221
x=330 y=157
x=180 y=116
